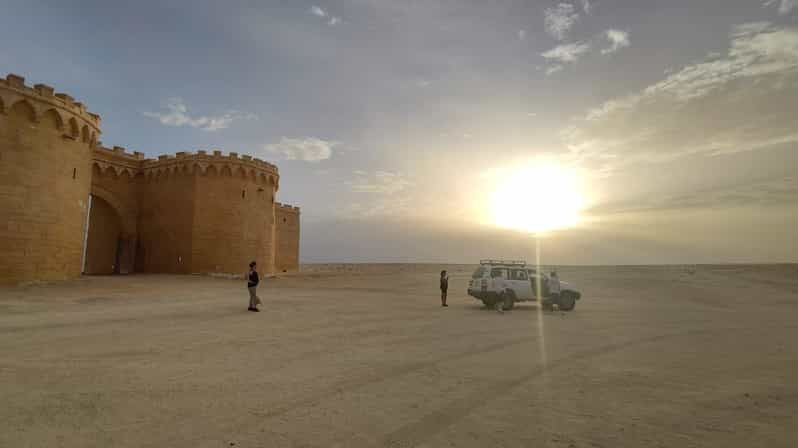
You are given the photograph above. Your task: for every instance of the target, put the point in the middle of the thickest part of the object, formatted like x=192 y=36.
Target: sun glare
x=538 y=197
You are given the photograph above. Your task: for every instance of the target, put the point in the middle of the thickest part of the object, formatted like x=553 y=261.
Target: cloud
x=571 y=52
x=618 y=39
x=567 y=52
x=317 y=11
x=586 y=6
x=382 y=182
x=743 y=101
x=521 y=34
x=785 y=6
x=382 y=194
x=177 y=115
x=307 y=149
x=330 y=19
x=559 y=19
x=757 y=49
x=770 y=192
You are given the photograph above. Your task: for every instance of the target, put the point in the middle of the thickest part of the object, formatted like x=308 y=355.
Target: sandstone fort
x=70 y=206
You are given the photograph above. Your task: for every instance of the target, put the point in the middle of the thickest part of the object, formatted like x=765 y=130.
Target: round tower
x=207 y=213
x=46 y=142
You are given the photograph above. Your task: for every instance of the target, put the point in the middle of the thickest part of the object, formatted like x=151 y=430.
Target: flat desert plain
x=363 y=355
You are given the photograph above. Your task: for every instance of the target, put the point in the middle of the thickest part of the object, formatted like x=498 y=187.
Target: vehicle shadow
x=526 y=308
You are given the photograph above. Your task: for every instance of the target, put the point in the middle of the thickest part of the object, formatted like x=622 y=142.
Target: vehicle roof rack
x=504 y=262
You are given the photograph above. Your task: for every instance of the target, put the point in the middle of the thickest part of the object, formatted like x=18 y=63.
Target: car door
x=538 y=280
x=520 y=284
x=499 y=279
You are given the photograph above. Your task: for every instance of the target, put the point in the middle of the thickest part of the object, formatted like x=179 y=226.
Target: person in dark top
x=444 y=287
x=252 y=285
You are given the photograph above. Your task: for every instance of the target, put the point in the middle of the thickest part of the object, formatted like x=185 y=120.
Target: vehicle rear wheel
x=567 y=301
x=508 y=300
x=490 y=303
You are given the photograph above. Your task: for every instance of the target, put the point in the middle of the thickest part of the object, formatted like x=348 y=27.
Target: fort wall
x=68 y=205
x=233 y=222
x=46 y=141
x=166 y=212
x=287 y=238
x=222 y=204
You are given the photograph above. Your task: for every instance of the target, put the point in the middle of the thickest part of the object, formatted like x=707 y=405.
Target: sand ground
x=364 y=356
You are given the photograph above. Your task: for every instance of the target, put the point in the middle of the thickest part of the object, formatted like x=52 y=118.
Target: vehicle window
x=479 y=273
x=498 y=273
x=518 y=274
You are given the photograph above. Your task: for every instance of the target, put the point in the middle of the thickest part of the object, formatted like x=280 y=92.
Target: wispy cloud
x=383 y=182
x=567 y=52
x=521 y=34
x=553 y=69
x=618 y=39
x=757 y=49
x=177 y=114
x=769 y=192
x=329 y=19
x=559 y=19
x=586 y=6
x=317 y=11
x=307 y=149
x=381 y=194
x=785 y=6
x=743 y=101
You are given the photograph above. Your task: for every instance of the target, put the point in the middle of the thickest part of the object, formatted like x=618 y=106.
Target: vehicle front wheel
x=567 y=301
x=489 y=303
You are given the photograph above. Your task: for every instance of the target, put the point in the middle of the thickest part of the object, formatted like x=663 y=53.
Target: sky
x=396 y=124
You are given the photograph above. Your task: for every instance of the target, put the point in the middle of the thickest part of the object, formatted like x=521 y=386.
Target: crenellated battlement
x=286 y=208
x=214 y=163
x=119 y=160
x=42 y=98
x=118 y=152
x=215 y=157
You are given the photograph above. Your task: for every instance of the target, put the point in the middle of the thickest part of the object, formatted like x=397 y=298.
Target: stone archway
x=103 y=242
x=115 y=214
x=111 y=237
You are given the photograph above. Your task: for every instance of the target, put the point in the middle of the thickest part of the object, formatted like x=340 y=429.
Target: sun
x=537 y=197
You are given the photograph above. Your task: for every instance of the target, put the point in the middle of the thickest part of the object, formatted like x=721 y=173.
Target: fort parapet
x=42 y=98
x=120 y=160
x=72 y=206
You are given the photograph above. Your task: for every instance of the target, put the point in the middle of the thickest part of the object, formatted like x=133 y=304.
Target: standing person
x=252 y=284
x=444 y=287
x=554 y=290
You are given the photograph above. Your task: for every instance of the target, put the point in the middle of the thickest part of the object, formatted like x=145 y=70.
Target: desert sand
x=354 y=355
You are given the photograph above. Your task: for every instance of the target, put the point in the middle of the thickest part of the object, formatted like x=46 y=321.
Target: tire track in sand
x=417 y=432
x=380 y=375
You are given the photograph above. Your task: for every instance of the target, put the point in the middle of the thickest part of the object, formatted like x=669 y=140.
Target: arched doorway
x=104 y=243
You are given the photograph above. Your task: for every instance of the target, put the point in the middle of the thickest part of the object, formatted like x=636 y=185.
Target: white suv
x=502 y=283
